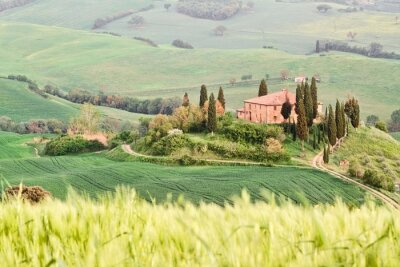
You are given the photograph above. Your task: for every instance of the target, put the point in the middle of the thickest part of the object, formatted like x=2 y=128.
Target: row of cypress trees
x=212 y=110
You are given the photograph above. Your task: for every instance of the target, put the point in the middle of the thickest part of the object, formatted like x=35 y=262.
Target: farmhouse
x=267 y=109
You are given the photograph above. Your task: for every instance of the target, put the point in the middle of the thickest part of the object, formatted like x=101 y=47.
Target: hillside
x=20 y=104
x=125 y=231
x=76 y=59
x=254 y=28
x=396 y=136
x=95 y=174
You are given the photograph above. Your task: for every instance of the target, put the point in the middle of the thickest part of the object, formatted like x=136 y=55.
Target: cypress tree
x=263 y=89
x=319 y=134
x=352 y=110
x=185 y=101
x=294 y=132
x=331 y=127
x=314 y=95
x=339 y=121
x=212 y=115
x=299 y=97
x=314 y=139
x=326 y=154
x=286 y=109
x=203 y=95
x=221 y=97
x=343 y=119
x=317 y=47
x=308 y=104
x=302 y=129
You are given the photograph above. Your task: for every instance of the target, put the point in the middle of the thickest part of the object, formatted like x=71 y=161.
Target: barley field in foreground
x=122 y=230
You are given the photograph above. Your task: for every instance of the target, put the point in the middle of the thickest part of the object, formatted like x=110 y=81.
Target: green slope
x=20 y=104
x=396 y=135
x=76 y=59
x=95 y=174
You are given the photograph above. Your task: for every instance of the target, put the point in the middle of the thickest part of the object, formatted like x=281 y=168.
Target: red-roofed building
x=267 y=109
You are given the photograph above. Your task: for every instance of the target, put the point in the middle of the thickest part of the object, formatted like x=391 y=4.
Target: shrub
x=181 y=44
x=71 y=145
x=209 y=9
x=381 y=125
x=375 y=179
x=253 y=133
x=170 y=144
x=355 y=169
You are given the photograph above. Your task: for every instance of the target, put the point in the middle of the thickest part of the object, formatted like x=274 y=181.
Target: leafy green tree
x=394 y=124
x=302 y=129
x=88 y=120
x=381 y=125
x=263 y=89
x=221 y=97
x=212 y=115
x=339 y=121
x=314 y=95
x=203 y=96
x=286 y=109
x=308 y=104
x=331 y=127
x=185 y=101
x=352 y=110
x=372 y=120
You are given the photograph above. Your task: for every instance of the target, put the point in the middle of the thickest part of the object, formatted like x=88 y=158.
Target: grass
x=371 y=148
x=71 y=59
x=21 y=104
x=396 y=135
x=125 y=231
x=95 y=174
x=252 y=29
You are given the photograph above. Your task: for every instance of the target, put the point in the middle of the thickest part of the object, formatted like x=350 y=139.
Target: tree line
x=4 y=5
x=374 y=50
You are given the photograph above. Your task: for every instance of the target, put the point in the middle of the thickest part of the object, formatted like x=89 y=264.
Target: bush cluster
x=32 y=126
x=146 y=106
x=209 y=9
x=31 y=84
x=71 y=145
x=181 y=44
x=376 y=179
x=253 y=133
x=170 y=144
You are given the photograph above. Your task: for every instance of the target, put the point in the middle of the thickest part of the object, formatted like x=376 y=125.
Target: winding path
x=318 y=163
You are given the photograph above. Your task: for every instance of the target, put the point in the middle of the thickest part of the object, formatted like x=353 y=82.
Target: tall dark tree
x=294 y=132
x=302 y=129
x=203 y=96
x=326 y=154
x=308 y=104
x=299 y=97
x=314 y=95
x=263 y=88
x=286 y=109
x=340 y=124
x=342 y=113
x=315 y=139
x=221 y=97
x=331 y=127
x=212 y=115
x=352 y=110
x=317 y=47
x=185 y=101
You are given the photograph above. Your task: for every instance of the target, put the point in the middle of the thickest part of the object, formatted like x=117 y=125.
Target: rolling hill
x=77 y=59
x=95 y=174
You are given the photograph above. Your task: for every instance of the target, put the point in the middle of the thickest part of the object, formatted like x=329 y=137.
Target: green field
x=249 y=29
x=20 y=104
x=396 y=135
x=76 y=59
x=95 y=174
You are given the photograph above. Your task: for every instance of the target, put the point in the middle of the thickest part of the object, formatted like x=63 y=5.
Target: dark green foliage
x=314 y=139
x=326 y=154
x=294 y=132
x=72 y=145
x=203 y=96
x=372 y=119
x=302 y=129
x=125 y=137
x=343 y=114
x=308 y=105
x=299 y=97
x=263 y=89
x=186 y=101
x=319 y=134
x=246 y=132
x=340 y=124
x=352 y=110
x=212 y=115
x=331 y=127
x=171 y=143
x=379 y=180
x=286 y=109
x=314 y=95
x=221 y=97
x=394 y=124
x=317 y=47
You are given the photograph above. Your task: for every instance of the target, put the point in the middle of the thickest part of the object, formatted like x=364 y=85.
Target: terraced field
x=94 y=174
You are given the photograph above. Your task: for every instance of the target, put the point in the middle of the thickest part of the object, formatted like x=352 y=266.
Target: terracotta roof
x=274 y=99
